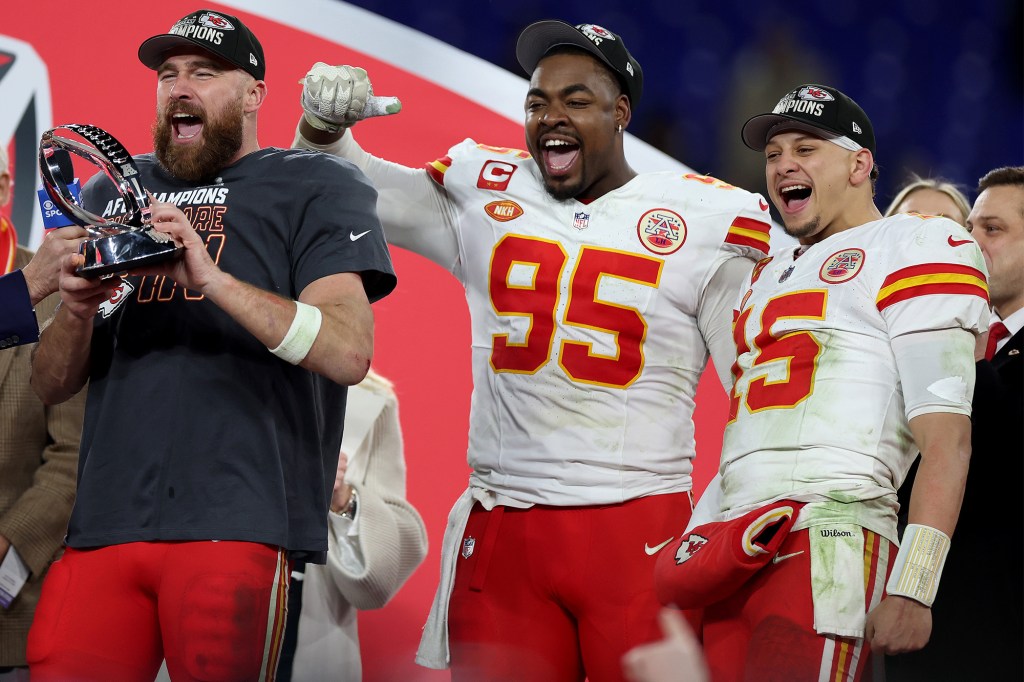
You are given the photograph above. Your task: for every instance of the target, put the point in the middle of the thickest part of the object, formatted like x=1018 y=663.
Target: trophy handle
x=115 y=162
x=116 y=246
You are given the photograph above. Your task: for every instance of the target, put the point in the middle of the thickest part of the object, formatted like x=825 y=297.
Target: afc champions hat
x=221 y=34
x=818 y=109
x=538 y=38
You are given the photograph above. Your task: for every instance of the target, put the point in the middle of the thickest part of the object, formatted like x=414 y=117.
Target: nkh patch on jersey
x=503 y=211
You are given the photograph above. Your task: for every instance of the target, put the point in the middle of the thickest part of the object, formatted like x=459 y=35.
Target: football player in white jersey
x=854 y=350
x=595 y=294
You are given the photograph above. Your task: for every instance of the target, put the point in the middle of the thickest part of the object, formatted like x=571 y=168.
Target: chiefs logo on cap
x=215 y=21
x=820 y=94
x=595 y=32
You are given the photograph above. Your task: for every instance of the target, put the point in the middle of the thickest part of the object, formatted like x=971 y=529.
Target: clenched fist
x=336 y=97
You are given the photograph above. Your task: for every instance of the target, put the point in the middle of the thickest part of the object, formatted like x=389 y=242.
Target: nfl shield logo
x=581 y=220
x=467 y=546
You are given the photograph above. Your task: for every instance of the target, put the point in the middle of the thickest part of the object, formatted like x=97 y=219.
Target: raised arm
x=414 y=210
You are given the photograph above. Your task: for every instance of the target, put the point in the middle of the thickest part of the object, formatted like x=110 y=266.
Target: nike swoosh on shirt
x=353 y=236
x=651 y=551
x=958 y=242
x=782 y=557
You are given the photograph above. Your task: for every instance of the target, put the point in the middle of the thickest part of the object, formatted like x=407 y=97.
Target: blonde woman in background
x=931 y=196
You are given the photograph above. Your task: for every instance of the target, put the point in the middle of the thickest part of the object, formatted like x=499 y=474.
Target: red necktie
x=996 y=333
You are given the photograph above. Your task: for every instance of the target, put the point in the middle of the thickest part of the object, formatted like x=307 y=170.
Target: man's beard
x=222 y=138
x=564 y=192
x=807 y=229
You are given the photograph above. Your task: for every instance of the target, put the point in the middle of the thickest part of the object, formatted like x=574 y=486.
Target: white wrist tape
x=296 y=343
x=919 y=564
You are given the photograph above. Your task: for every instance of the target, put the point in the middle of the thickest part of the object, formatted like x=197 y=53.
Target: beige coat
x=365 y=568
x=38 y=467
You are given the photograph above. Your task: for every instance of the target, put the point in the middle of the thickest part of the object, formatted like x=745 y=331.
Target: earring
x=619 y=129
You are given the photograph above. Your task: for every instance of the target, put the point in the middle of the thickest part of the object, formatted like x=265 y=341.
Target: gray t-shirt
x=193 y=429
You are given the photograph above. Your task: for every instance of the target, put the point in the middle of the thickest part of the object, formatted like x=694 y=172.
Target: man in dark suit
x=17 y=321
x=978 y=628
x=22 y=289
x=997 y=223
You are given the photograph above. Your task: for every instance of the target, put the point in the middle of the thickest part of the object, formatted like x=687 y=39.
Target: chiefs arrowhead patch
x=691 y=544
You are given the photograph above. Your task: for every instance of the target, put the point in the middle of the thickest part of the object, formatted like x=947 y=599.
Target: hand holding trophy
x=115 y=246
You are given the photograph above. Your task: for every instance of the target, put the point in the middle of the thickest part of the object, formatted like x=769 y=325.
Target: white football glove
x=336 y=97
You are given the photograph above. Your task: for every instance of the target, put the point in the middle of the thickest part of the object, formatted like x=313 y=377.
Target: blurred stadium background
x=941 y=80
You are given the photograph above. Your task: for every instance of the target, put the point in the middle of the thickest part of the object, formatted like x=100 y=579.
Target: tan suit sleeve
x=39 y=453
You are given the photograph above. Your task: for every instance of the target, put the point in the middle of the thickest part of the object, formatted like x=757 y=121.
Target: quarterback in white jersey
x=819 y=413
x=854 y=352
x=595 y=295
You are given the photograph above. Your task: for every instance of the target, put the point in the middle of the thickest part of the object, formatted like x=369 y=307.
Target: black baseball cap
x=538 y=38
x=221 y=34
x=818 y=109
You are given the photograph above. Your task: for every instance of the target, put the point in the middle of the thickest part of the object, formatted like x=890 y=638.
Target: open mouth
x=559 y=155
x=795 y=197
x=186 y=126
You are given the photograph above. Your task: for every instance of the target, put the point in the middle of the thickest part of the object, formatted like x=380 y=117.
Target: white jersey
x=586 y=345
x=817 y=411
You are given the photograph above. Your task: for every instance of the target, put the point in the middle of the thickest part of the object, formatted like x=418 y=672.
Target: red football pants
x=765 y=632
x=558 y=593
x=215 y=610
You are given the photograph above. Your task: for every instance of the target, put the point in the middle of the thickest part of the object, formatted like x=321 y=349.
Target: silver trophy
x=115 y=246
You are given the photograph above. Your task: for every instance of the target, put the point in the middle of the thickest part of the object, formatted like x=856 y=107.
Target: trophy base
x=126 y=251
